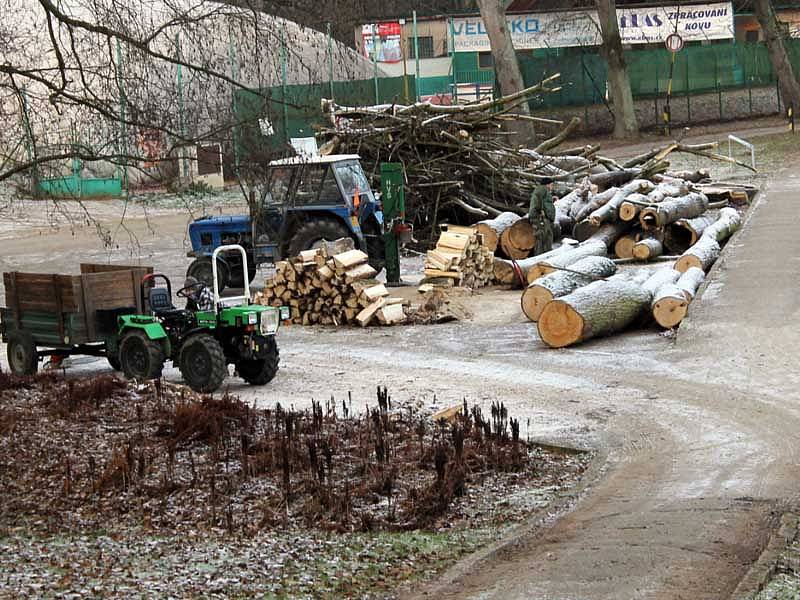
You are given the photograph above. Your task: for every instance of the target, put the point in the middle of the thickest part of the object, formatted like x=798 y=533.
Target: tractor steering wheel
x=185 y=291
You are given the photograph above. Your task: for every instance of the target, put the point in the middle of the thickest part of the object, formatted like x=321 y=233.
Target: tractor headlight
x=252 y=318
x=269 y=322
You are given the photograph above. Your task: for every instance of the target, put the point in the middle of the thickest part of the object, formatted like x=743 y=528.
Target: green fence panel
x=430 y=86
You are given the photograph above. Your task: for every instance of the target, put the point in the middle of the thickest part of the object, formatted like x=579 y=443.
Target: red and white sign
x=382 y=42
x=674 y=42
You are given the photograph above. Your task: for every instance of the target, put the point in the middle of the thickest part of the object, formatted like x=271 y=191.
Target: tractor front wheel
x=311 y=234
x=140 y=357
x=22 y=356
x=202 y=363
x=263 y=370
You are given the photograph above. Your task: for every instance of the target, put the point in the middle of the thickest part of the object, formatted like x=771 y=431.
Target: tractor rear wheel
x=202 y=363
x=202 y=270
x=311 y=234
x=261 y=371
x=140 y=357
x=22 y=356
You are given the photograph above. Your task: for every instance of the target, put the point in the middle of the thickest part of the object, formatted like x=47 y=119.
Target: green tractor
x=201 y=343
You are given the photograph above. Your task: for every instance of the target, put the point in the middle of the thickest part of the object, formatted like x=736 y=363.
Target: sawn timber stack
x=461 y=256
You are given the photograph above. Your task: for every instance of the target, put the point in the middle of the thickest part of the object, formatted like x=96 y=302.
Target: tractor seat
x=161 y=304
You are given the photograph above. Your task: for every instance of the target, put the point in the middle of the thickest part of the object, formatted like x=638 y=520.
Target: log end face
x=560 y=325
x=534 y=299
x=669 y=312
x=686 y=262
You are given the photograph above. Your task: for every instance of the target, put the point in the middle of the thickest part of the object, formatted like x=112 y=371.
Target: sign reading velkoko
x=582 y=28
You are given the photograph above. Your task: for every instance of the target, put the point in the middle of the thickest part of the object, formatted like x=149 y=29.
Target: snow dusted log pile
x=574 y=295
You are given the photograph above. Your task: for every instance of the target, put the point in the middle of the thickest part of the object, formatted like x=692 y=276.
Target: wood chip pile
x=460 y=256
x=326 y=288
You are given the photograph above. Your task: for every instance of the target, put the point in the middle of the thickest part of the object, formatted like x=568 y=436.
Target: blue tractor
x=307 y=200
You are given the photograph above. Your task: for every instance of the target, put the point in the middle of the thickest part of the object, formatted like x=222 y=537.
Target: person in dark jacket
x=542 y=215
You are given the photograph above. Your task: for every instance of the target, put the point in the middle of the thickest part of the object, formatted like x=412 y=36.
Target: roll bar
x=230 y=247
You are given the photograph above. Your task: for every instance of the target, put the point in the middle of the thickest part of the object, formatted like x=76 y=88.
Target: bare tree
x=506 y=65
x=774 y=34
x=625 y=125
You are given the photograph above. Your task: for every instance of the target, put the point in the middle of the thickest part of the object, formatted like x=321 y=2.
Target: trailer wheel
x=261 y=371
x=22 y=356
x=202 y=363
x=202 y=270
x=311 y=234
x=140 y=357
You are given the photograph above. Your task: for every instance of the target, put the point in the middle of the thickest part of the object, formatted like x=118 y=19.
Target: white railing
x=733 y=139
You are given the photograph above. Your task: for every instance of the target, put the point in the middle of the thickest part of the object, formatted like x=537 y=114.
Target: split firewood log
x=563 y=260
x=491 y=229
x=561 y=283
x=691 y=205
x=597 y=309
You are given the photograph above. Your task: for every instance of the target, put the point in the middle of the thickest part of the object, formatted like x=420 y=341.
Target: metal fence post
x=416 y=56
x=688 y=87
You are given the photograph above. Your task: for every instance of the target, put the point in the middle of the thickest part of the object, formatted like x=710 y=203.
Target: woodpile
x=576 y=300
x=337 y=289
x=461 y=256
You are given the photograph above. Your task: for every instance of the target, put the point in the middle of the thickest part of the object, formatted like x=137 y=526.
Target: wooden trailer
x=49 y=314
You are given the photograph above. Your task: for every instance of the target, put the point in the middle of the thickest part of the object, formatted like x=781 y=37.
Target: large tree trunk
x=774 y=36
x=491 y=229
x=647 y=249
x=518 y=240
x=506 y=66
x=594 y=310
x=659 y=215
x=561 y=283
x=625 y=125
x=610 y=233
x=608 y=212
x=563 y=260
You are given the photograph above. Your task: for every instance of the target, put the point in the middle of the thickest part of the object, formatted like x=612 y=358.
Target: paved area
x=702 y=453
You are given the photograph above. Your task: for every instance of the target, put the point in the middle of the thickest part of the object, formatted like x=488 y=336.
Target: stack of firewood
x=324 y=288
x=461 y=256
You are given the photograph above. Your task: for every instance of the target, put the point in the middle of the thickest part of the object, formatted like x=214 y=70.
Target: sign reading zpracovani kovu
x=582 y=28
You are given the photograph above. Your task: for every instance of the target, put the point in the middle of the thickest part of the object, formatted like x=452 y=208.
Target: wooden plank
x=365 y=317
x=440 y=273
x=59 y=307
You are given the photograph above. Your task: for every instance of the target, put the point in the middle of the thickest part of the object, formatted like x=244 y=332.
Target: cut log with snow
x=491 y=229
x=598 y=309
x=610 y=233
x=506 y=274
x=701 y=255
x=693 y=176
x=623 y=247
x=671 y=300
x=567 y=258
x=647 y=249
x=681 y=234
x=690 y=282
x=659 y=278
x=561 y=283
x=726 y=224
x=691 y=205
x=608 y=212
x=594 y=202
x=518 y=240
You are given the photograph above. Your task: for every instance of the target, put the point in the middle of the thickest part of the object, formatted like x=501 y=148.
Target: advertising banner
x=581 y=28
x=382 y=42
